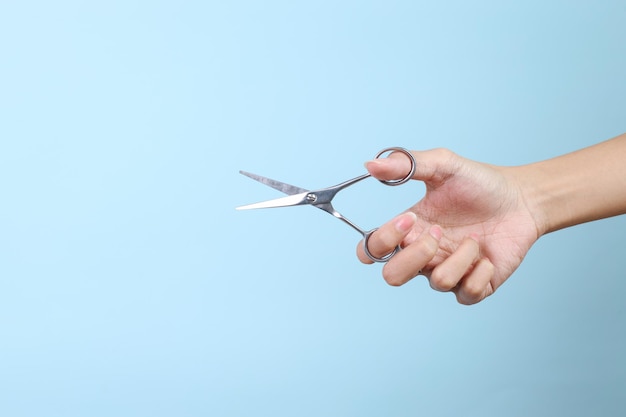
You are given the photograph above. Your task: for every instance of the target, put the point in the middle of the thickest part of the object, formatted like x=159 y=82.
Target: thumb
x=431 y=166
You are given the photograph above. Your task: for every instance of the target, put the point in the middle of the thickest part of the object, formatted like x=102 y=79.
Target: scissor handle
x=383 y=258
x=411 y=172
x=407 y=177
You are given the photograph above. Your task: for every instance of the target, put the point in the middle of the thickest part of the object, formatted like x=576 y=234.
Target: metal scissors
x=322 y=199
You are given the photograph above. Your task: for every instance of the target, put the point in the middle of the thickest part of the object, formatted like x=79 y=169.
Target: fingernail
x=436 y=232
x=474 y=236
x=405 y=222
x=378 y=162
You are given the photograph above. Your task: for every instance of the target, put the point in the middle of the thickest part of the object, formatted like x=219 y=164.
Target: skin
x=476 y=223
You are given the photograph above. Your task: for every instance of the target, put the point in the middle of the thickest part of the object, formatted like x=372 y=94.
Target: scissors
x=322 y=198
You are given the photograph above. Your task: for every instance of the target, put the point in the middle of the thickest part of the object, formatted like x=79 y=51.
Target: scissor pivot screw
x=311 y=197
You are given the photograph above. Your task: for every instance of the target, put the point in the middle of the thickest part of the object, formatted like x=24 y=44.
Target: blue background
x=129 y=285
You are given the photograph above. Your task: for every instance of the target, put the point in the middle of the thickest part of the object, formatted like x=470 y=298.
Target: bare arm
x=586 y=185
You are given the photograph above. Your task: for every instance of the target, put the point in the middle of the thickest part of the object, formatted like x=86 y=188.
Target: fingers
x=465 y=273
x=409 y=262
x=390 y=235
x=448 y=274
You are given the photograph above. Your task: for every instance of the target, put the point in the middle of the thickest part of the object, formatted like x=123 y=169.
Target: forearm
x=578 y=187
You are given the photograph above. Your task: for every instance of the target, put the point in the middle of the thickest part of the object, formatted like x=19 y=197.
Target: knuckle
x=440 y=281
x=473 y=291
x=444 y=155
x=463 y=300
x=446 y=160
x=470 y=295
x=391 y=277
x=394 y=282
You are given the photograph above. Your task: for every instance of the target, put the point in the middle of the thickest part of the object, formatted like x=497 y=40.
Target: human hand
x=467 y=235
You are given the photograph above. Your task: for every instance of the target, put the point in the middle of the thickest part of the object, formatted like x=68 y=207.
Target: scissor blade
x=292 y=200
x=277 y=185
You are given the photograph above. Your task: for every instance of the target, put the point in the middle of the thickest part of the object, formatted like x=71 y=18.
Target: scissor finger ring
x=411 y=159
x=369 y=254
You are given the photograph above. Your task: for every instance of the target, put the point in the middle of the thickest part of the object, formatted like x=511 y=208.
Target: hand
x=467 y=235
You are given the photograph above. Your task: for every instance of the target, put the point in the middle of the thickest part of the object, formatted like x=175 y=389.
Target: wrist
x=532 y=195
x=545 y=196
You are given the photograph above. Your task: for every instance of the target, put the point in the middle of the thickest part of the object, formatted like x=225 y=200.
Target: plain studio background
x=130 y=286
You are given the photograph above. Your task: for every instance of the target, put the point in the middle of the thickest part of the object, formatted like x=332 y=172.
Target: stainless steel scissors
x=322 y=198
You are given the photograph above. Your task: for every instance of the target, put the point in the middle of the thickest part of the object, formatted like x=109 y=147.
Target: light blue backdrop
x=129 y=285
